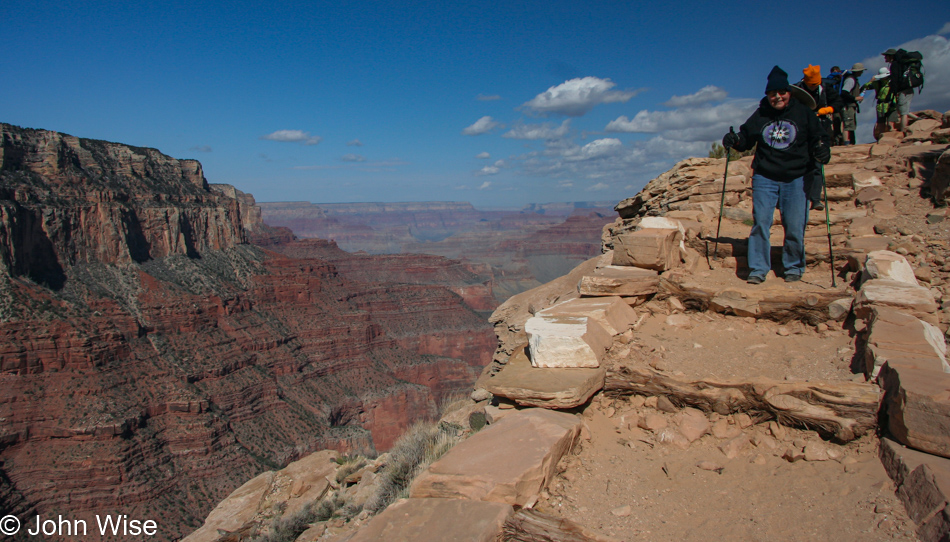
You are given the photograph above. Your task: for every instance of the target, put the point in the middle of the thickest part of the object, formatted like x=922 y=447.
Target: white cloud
x=537 y=131
x=578 y=96
x=481 y=126
x=483 y=156
x=354 y=143
x=493 y=169
x=352 y=158
x=487 y=98
x=599 y=148
x=606 y=161
x=704 y=95
x=485 y=185
x=944 y=30
x=598 y=187
x=707 y=123
x=293 y=136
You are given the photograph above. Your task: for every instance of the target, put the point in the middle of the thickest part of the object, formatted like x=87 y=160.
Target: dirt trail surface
x=626 y=484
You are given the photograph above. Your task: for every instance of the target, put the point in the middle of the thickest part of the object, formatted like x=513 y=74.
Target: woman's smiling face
x=778 y=98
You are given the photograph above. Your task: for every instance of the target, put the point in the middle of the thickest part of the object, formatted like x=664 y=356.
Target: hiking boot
x=793 y=278
x=817 y=206
x=755 y=279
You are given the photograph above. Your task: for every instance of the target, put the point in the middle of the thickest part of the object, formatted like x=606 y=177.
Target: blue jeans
x=792 y=203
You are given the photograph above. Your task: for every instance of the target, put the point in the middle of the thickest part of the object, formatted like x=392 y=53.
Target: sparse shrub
x=287 y=529
x=348 y=467
x=718 y=151
x=421 y=445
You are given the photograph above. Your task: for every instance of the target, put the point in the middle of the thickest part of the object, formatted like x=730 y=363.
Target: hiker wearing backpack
x=831 y=86
x=811 y=83
x=886 y=104
x=788 y=140
x=906 y=75
x=850 y=99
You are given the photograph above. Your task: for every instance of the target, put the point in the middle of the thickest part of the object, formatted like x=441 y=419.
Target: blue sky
x=497 y=103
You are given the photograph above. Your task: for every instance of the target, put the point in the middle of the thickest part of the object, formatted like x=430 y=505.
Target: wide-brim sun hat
x=882 y=73
x=858 y=67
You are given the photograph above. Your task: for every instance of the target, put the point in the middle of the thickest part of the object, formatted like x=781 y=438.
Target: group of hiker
x=792 y=132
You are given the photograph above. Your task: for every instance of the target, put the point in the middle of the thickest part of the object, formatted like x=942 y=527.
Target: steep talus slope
x=151 y=360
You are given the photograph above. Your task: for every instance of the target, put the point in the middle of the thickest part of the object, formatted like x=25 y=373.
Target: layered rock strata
x=152 y=361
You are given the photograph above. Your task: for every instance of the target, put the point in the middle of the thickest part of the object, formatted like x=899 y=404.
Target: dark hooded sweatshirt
x=786 y=139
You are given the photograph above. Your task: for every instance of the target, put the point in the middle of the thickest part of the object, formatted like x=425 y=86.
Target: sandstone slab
x=661 y=223
x=862 y=227
x=917 y=402
x=544 y=387
x=437 y=520
x=923 y=485
x=910 y=298
x=610 y=312
x=869 y=243
x=884 y=264
x=509 y=462
x=896 y=335
x=566 y=341
x=289 y=489
x=861 y=180
x=234 y=511
x=940 y=181
x=651 y=248
x=622 y=281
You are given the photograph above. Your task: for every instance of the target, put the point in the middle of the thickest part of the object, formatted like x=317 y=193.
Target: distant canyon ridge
x=510 y=250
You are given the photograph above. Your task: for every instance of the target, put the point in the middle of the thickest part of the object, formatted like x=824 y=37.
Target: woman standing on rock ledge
x=789 y=137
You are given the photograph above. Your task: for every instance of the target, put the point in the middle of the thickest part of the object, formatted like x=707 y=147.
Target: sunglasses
x=772 y=93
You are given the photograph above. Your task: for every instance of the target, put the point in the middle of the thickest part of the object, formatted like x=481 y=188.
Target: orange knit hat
x=812 y=74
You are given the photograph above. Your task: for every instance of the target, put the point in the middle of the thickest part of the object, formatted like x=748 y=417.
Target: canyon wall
x=152 y=360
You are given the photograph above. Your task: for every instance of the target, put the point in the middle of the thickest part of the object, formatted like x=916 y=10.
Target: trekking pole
x=722 y=202
x=831 y=254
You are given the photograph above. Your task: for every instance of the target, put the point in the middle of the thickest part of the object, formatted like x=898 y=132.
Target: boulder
x=546 y=388
x=508 y=462
x=910 y=298
x=610 y=312
x=861 y=227
x=566 y=341
x=873 y=193
x=940 y=181
x=272 y=493
x=923 y=485
x=652 y=248
x=884 y=264
x=619 y=281
x=661 y=223
x=922 y=128
x=436 y=520
x=917 y=403
x=895 y=335
x=861 y=180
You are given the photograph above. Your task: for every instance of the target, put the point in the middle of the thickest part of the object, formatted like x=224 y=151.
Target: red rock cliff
x=151 y=361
